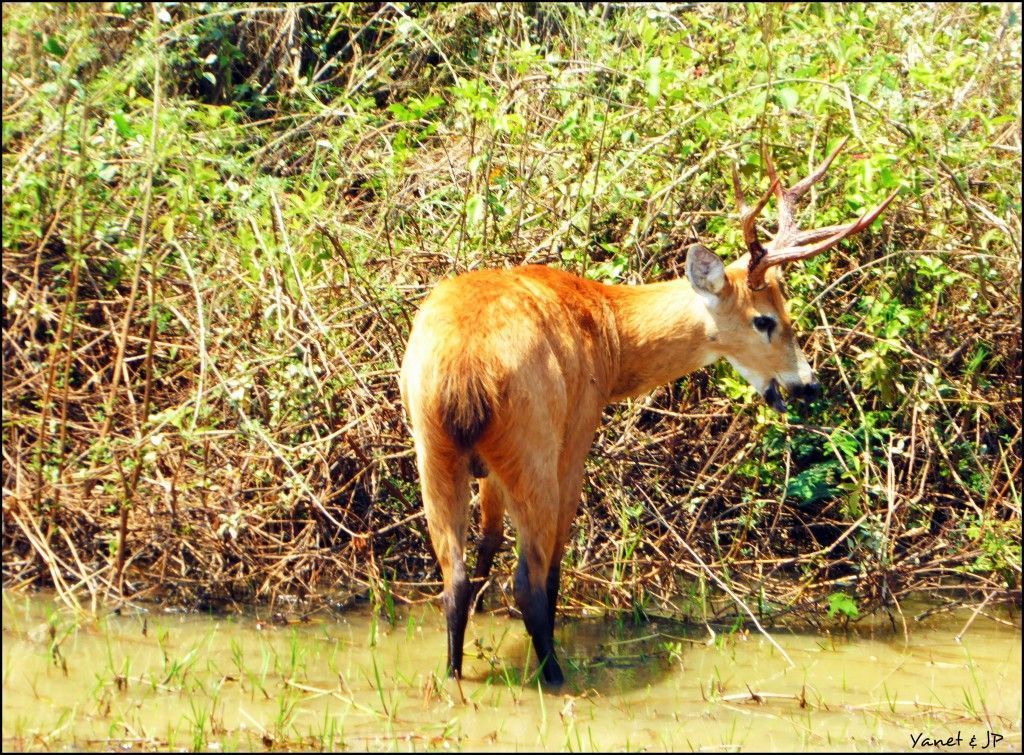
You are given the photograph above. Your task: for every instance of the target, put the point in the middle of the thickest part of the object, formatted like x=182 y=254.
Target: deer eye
x=765 y=324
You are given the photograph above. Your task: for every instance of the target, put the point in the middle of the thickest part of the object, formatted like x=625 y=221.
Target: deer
x=507 y=372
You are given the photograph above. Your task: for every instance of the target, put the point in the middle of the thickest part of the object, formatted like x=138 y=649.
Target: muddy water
x=158 y=680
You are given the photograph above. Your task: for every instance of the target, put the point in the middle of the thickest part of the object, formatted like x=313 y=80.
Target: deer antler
x=790 y=243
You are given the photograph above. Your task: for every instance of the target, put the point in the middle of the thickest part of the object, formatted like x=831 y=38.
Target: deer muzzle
x=805 y=392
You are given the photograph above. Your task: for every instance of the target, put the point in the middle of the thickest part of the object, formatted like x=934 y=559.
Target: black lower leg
x=553 y=576
x=456 y=610
x=533 y=604
x=490 y=543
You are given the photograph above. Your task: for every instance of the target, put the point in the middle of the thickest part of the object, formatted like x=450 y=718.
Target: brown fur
x=514 y=367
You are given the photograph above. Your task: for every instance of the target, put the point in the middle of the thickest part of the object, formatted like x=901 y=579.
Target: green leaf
x=789 y=98
x=840 y=602
x=52 y=46
x=124 y=128
x=430 y=102
x=846 y=442
x=475 y=208
x=654 y=78
x=401 y=112
x=813 y=484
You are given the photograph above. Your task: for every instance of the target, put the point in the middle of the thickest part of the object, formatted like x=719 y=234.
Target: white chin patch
x=760 y=384
x=802 y=375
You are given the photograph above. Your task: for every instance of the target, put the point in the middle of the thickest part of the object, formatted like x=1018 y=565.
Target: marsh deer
x=507 y=372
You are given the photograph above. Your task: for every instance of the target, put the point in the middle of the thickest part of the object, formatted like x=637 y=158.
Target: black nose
x=807 y=391
x=812 y=391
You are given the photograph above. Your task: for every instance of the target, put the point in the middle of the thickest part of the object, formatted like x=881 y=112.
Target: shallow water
x=159 y=680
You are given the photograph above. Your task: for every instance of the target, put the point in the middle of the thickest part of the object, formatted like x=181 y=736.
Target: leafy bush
x=219 y=219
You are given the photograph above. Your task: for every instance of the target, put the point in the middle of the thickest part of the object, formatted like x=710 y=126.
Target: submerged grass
x=218 y=221
x=631 y=687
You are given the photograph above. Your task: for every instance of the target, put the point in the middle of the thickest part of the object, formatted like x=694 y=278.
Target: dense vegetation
x=218 y=220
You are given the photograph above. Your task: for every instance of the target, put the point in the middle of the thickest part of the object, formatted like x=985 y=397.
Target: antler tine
x=737 y=190
x=748 y=216
x=811 y=235
x=755 y=278
x=770 y=167
x=800 y=188
x=788 y=197
x=786 y=223
x=790 y=243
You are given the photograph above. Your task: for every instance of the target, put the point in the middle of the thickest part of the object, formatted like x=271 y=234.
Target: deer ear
x=705 y=270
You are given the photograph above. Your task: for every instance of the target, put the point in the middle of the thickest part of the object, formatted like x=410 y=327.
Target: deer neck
x=664 y=332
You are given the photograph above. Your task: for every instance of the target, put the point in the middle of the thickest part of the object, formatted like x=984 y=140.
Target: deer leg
x=524 y=457
x=554 y=574
x=570 y=470
x=445 y=485
x=532 y=599
x=534 y=510
x=457 y=597
x=492 y=511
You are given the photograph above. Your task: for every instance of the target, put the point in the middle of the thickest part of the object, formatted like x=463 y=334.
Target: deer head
x=753 y=329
